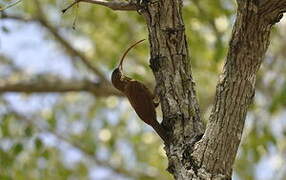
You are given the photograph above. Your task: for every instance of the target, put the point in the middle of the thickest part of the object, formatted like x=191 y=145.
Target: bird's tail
x=160 y=131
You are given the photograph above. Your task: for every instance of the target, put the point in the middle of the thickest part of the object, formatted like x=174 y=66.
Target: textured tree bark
x=174 y=83
x=213 y=155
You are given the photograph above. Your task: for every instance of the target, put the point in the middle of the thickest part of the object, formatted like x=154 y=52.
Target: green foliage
x=279 y=100
x=75 y=132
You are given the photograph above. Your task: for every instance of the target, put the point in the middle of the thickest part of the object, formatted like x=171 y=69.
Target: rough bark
x=212 y=157
x=174 y=83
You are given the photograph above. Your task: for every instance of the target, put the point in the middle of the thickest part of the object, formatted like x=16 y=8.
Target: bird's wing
x=141 y=100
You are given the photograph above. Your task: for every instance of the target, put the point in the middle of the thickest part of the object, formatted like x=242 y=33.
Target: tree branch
x=269 y=10
x=67 y=45
x=215 y=153
x=71 y=50
x=18 y=18
x=170 y=62
x=59 y=86
x=114 y=5
x=10 y=5
x=271 y=5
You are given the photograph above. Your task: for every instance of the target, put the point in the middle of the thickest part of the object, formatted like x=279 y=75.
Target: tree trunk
x=196 y=153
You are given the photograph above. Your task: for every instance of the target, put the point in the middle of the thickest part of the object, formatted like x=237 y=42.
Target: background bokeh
x=86 y=135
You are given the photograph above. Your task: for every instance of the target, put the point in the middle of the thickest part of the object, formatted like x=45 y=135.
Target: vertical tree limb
x=170 y=62
x=171 y=66
x=214 y=155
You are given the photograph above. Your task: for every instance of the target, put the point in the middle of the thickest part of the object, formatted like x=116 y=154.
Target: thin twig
x=70 y=6
x=10 y=5
x=75 y=18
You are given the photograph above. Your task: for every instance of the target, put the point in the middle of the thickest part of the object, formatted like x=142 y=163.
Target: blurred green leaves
x=77 y=131
x=279 y=100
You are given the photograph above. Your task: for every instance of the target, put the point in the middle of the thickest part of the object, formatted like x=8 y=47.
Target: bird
x=139 y=96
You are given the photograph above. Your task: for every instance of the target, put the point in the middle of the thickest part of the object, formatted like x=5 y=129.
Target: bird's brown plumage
x=139 y=96
x=141 y=100
x=143 y=105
